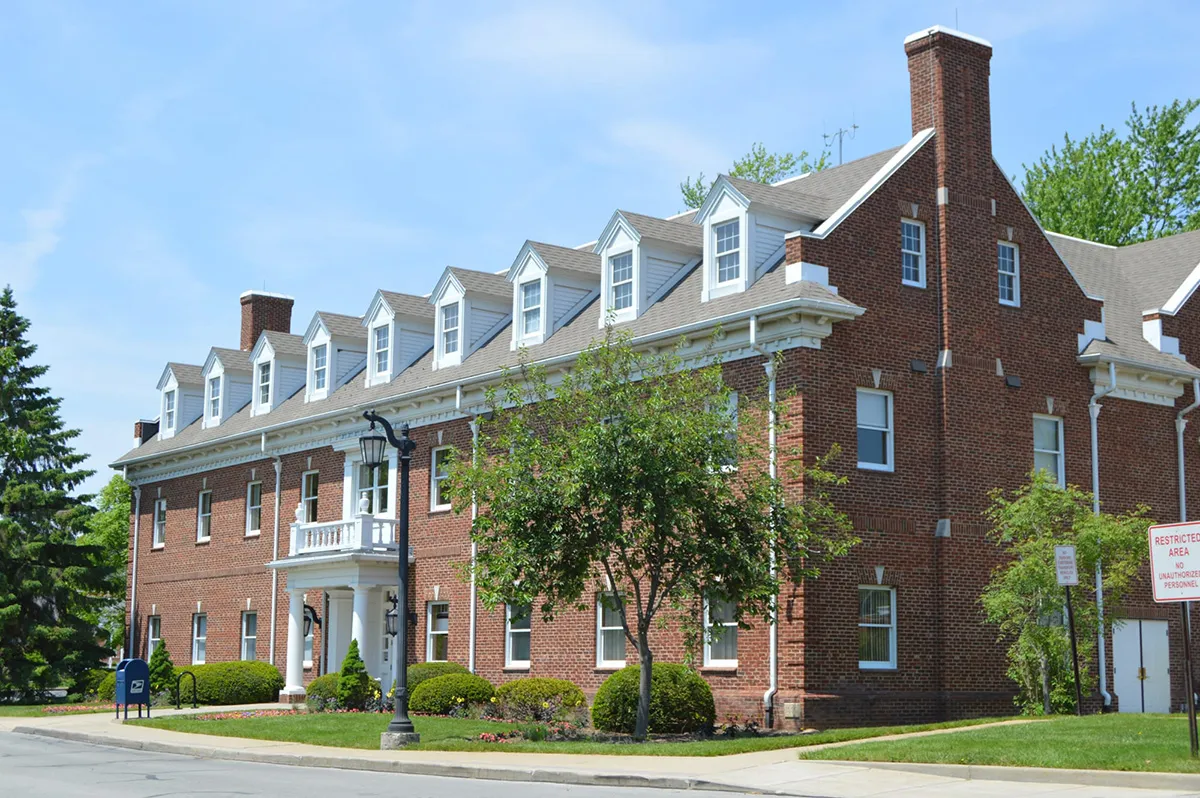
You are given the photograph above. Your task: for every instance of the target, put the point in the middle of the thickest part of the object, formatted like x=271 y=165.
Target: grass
x=1097 y=742
x=352 y=730
x=39 y=710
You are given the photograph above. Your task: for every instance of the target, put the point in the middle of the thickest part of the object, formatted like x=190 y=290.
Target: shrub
x=354 y=684
x=537 y=698
x=422 y=671
x=86 y=685
x=232 y=683
x=324 y=686
x=680 y=701
x=162 y=670
x=107 y=689
x=439 y=695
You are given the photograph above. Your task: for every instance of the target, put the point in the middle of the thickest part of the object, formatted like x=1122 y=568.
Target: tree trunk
x=642 y=726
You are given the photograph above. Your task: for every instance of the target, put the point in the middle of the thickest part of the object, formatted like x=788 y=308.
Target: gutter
x=275 y=556
x=137 y=517
x=1094 y=412
x=773 y=457
x=1101 y=359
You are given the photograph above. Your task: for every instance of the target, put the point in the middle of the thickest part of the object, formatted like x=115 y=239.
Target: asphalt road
x=40 y=767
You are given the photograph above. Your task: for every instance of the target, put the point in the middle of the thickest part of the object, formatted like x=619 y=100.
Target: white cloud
x=42 y=225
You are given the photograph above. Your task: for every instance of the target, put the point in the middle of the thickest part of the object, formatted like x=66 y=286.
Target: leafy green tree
x=1023 y=598
x=628 y=477
x=354 y=683
x=108 y=531
x=49 y=581
x=757 y=165
x=162 y=669
x=1118 y=190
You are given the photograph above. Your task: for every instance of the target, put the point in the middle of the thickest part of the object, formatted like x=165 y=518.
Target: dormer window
x=320 y=366
x=620 y=268
x=169 y=410
x=382 y=349
x=214 y=397
x=531 y=307
x=449 y=329
x=728 y=251
x=264 y=384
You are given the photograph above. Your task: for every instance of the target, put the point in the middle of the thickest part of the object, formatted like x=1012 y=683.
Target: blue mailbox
x=133 y=685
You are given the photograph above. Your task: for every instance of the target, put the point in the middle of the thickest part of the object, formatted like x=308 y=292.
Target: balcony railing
x=364 y=532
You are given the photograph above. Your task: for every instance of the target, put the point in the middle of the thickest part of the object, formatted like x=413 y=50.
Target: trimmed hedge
x=232 y=683
x=324 y=686
x=439 y=695
x=535 y=697
x=107 y=689
x=421 y=671
x=680 y=701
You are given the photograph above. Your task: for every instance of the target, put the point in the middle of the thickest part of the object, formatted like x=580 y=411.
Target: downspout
x=137 y=517
x=274 y=557
x=473 y=614
x=1180 y=424
x=772 y=460
x=1094 y=412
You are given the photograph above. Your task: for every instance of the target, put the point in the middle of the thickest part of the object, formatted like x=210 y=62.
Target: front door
x=1141 y=655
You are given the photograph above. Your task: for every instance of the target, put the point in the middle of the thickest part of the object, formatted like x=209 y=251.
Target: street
x=38 y=767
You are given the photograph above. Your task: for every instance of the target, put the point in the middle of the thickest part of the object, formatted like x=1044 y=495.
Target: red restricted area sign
x=1175 y=561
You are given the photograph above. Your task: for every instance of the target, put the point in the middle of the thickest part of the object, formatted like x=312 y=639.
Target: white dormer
x=550 y=285
x=399 y=329
x=641 y=259
x=470 y=309
x=227 y=378
x=181 y=398
x=277 y=369
x=335 y=350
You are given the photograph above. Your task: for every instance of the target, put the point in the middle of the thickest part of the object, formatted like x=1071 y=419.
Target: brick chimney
x=264 y=311
x=144 y=430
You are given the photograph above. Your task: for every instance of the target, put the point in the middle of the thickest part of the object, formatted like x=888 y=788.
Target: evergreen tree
x=162 y=669
x=354 y=684
x=49 y=581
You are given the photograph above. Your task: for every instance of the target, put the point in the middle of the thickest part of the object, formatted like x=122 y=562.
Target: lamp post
x=400 y=731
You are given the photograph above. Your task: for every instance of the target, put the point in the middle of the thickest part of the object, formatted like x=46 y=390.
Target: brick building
x=928 y=324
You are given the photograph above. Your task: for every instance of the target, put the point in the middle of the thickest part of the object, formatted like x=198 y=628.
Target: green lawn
x=448 y=734
x=39 y=710
x=1100 y=742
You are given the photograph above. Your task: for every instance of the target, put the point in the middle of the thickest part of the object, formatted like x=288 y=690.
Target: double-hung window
x=204 y=515
x=449 y=329
x=320 y=371
x=253 y=508
x=214 y=397
x=437 y=636
x=439 y=470
x=531 y=307
x=876 y=627
x=382 y=349
x=309 y=483
x=516 y=636
x=169 y=410
x=610 y=634
x=1048 y=446
x=912 y=253
x=373 y=484
x=153 y=635
x=875 y=420
x=264 y=385
x=199 y=637
x=249 y=635
x=620 y=271
x=160 y=522
x=728 y=236
x=720 y=633
x=1008 y=263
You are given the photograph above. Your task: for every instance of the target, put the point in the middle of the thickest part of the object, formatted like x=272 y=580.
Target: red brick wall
x=263 y=312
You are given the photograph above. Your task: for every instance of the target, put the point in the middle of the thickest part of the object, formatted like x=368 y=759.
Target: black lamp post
x=400 y=731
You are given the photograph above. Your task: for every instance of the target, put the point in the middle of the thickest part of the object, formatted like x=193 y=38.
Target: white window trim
x=268 y=369
x=738 y=250
x=381 y=374
x=1061 y=454
x=450 y=358
x=197 y=637
x=152 y=639
x=509 y=662
x=250 y=532
x=891 y=664
x=218 y=382
x=246 y=637
x=434 y=479
x=539 y=307
x=170 y=409
x=430 y=633
x=709 y=662
x=385 y=489
x=314 y=391
x=601 y=663
x=891 y=430
x=159 y=541
x=304 y=500
x=201 y=515
x=922 y=257
x=1016 y=274
x=611 y=296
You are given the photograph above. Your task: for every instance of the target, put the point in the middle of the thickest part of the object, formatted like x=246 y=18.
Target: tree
x=162 y=669
x=1023 y=597
x=354 y=683
x=108 y=531
x=49 y=581
x=757 y=165
x=1122 y=190
x=629 y=479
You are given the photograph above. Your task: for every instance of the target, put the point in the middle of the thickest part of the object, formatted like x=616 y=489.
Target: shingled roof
x=341 y=324
x=680 y=230
x=286 y=344
x=575 y=260
x=408 y=304
x=483 y=282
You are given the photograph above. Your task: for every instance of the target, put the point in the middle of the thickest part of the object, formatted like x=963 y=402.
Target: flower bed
x=65 y=709
x=245 y=713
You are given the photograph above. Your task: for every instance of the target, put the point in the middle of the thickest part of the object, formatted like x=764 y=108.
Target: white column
x=295 y=646
x=359 y=623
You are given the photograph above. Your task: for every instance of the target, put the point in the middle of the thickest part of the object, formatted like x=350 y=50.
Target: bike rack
x=179 y=692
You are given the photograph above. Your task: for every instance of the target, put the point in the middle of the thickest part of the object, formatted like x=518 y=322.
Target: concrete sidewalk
x=769 y=772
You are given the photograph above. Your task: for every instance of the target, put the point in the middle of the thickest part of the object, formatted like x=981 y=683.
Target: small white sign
x=1065 y=567
x=137 y=686
x=1175 y=561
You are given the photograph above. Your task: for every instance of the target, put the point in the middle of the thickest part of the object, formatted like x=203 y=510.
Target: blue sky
x=160 y=158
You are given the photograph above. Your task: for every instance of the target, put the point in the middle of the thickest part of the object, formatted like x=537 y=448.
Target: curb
x=399 y=765
x=1136 y=779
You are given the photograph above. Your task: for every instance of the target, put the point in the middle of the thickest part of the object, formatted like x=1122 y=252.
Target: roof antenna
x=840 y=135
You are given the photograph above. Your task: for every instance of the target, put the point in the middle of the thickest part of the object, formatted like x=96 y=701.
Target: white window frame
x=246 y=637
x=709 y=661
x=251 y=529
x=1060 y=454
x=199 y=641
x=1015 y=274
x=456 y=329
x=600 y=629
x=536 y=309
x=160 y=524
x=383 y=353
x=435 y=480
x=264 y=369
x=153 y=634
x=378 y=490
x=322 y=370
x=889 y=430
x=919 y=283
x=169 y=410
x=613 y=283
x=202 y=516
x=214 y=397
x=735 y=251
x=310 y=501
x=509 y=632
x=430 y=634
x=891 y=663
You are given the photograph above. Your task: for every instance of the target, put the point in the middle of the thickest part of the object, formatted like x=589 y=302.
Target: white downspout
x=1180 y=425
x=274 y=557
x=133 y=621
x=1094 y=412
x=772 y=459
x=473 y=613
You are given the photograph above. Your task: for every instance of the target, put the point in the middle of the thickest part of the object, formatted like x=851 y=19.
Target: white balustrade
x=362 y=533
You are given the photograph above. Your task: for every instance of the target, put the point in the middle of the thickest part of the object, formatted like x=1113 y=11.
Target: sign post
x=1067 y=571
x=1175 y=565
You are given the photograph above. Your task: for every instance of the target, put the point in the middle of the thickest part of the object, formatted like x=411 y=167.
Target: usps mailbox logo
x=1175 y=561
x=137 y=686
